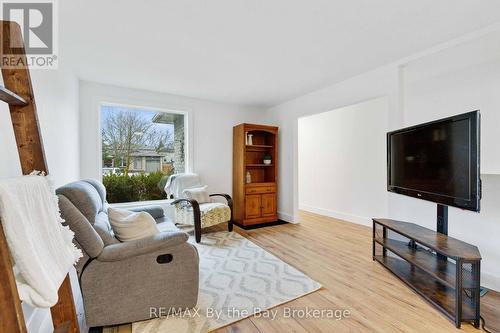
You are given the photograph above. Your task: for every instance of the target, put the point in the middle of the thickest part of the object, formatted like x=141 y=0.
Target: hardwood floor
x=338 y=255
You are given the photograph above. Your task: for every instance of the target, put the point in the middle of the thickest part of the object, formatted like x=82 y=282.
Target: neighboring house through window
x=140 y=148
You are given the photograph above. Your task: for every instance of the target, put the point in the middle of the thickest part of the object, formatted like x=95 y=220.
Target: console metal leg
x=373 y=241
x=458 y=300
x=384 y=233
x=476 y=270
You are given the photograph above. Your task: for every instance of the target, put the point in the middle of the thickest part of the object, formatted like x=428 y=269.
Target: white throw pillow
x=128 y=225
x=199 y=194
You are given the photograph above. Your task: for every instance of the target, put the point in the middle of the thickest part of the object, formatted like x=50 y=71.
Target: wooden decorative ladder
x=18 y=93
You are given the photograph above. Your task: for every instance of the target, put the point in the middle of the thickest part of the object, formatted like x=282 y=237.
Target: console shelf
x=438 y=294
x=443 y=270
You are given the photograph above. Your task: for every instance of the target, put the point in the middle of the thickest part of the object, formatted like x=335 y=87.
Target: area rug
x=237 y=279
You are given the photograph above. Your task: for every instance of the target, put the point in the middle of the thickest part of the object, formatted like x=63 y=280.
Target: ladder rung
x=11 y=98
x=63 y=328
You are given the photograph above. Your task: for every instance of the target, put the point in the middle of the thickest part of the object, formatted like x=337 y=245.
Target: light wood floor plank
x=338 y=255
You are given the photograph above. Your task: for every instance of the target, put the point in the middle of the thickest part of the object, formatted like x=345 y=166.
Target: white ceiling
x=253 y=52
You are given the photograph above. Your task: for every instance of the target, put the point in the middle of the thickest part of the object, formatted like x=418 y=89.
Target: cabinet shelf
x=259 y=165
x=258 y=146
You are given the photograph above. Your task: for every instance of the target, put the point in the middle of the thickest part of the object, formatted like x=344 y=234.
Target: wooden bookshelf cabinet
x=443 y=270
x=255 y=202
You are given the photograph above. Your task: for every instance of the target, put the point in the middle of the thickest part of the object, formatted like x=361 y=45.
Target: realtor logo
x=37 y=20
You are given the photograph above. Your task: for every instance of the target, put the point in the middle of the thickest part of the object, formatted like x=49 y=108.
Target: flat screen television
x=437 y=161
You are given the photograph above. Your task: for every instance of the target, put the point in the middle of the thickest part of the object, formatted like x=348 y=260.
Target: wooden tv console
x=443 y=270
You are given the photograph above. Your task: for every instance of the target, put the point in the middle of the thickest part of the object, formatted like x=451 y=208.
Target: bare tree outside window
x=139 y=151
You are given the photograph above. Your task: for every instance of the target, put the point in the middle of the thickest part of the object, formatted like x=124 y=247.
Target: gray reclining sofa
x=123 y=282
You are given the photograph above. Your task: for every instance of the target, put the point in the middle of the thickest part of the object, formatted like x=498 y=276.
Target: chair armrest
x=226 y=196
x=155 y=211
x=229 y=203
x=124 y=250
x=192 y=202
x=196 y=215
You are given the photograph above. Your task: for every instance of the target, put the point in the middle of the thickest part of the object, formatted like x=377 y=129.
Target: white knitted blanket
x=40 y=246
x=177 y=183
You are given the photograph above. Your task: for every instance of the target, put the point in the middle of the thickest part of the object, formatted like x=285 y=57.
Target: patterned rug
x=237 y=279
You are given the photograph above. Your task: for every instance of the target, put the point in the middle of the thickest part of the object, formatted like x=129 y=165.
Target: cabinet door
x=252 y=206
x=268 y=204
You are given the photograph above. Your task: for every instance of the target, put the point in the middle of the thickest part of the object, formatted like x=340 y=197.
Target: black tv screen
x=437 y=161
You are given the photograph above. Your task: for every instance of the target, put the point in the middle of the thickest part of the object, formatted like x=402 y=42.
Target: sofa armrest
x=155 y=211
x=124 y=250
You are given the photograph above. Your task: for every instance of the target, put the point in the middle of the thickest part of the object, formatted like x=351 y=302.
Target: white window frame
x=188 y=133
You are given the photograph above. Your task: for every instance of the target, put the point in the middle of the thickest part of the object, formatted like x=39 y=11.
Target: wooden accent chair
x=191 y=211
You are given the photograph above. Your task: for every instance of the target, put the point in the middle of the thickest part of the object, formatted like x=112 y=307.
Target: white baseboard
x=286 y=217
x=363 y=220
x=46 y=326
x=37 y=320
x=490 y=281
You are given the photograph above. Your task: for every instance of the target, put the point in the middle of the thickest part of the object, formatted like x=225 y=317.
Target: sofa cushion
x=155 y=211
x=137 y=247
x=99 y=187
x=85 y=235
x=129 y=226
x=164 y=224
x=104 y=229
x=83 y=205
x=85 y=197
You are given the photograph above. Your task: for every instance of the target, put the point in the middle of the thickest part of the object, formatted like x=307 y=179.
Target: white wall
x=56 y=96
x=459 y=79
x=210 y=129
x=341 y=156
x=380 y=82
x=10 y=166
x=460 y=76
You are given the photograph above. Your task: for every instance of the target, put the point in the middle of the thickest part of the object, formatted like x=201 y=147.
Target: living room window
x=140 y=148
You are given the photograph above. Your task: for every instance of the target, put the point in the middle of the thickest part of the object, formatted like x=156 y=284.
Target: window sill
x=165 y=204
